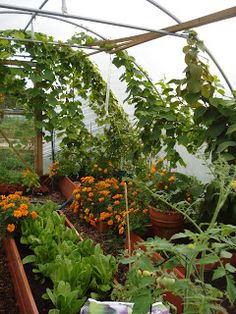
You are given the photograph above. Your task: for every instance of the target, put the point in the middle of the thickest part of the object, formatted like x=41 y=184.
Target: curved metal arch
x=176 y=19
x=35 y=14
x=59 y=19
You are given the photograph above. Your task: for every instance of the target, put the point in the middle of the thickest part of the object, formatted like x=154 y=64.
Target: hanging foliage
x=189 y=111
x=54 y=84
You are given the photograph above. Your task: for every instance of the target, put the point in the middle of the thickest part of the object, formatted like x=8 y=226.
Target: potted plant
x=169 y=193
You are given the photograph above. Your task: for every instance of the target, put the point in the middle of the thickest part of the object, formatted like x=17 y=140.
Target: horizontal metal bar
x=89 y=19
x=50 y=43
x=57 y=18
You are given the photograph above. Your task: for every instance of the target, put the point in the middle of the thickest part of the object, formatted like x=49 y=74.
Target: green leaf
x=215 y=130
x=218 y=273
x=227 y=156
x=225 y=145
x=142 y=302
x=209 y=259
x=225 y=254
x=231 y=129
x=231 y=289
x=195 y=70
x=54 y=311
x=199 y=112
x=206 y=91
x=29 y=259
x=230 y=268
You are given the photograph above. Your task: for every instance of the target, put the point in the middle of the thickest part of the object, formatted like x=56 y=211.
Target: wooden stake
x=127 y=219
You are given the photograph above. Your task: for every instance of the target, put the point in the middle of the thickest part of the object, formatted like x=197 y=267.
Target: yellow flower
x=233 y=184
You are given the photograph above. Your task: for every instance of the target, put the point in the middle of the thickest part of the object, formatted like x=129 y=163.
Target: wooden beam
x=127 y=42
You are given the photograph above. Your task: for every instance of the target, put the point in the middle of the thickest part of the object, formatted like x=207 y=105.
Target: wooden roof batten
x=131 y=41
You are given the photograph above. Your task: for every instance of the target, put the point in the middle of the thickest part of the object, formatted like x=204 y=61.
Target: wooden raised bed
x=24 y=296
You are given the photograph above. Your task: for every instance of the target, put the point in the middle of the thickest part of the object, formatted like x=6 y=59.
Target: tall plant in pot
x=167 y=190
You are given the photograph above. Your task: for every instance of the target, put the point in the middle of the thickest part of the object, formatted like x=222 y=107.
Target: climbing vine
x=189 y=111
x=54 y=84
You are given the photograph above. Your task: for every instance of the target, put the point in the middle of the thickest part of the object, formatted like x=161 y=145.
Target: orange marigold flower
x=122 y=183
x=11 y=227
x=81 y=216
x=109 y=208
x=89 y=189
x=88 y=179
x=93 y=223
x=105 y=171
x=145 y=210
x=104 y=192
x=77 y=196
x=117 y=202
x=34 y=214
x=162 y=174
x=110 y=222
x=90 y=194
x=121 y=230
x=24 y=212
x=133 y=203
x=153 y=169
x=135 y=193
x=8 y=205
x=17 y=214
x=118 y=217
x=101 y=199
x=171 y=179
x=117 y=196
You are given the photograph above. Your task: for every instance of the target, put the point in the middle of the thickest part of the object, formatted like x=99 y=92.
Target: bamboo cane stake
x=127 y=219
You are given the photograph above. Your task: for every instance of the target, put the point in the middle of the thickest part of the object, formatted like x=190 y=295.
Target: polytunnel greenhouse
x=117 y=157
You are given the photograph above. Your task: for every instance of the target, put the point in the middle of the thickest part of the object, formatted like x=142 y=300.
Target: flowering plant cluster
x=13 y=209
x=104 y=200
x=30 y=179
x=53 y=169
x=175 y=187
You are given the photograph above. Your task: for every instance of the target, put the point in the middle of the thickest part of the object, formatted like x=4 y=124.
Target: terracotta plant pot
x=24 y=297
x=165 y=224
x=66 y=186
x=102 y=227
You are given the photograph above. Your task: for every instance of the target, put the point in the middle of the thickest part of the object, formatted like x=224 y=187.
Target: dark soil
x=7 y=299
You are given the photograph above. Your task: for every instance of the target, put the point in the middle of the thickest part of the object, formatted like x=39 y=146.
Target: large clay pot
x=165 y=224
